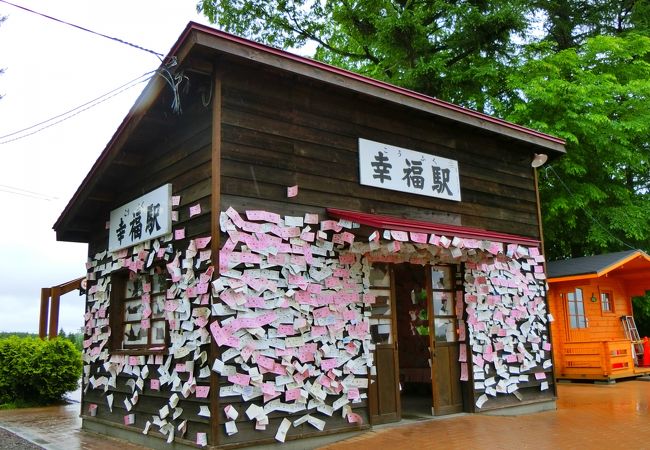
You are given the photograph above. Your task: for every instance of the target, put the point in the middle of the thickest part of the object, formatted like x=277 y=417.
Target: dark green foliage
x=453 y=50
x=641 y=308
x=76 y=338
x=597 y=96
x=34 y=371
x=578 y=69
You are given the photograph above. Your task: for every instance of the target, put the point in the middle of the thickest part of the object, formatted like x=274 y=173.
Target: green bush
x=34 y=371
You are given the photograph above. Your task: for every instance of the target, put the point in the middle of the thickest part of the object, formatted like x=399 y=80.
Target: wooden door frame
x=455 y=269
x=393 y=326
x=373 y=397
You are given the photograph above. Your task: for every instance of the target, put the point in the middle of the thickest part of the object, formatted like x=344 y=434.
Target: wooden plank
x=215 y=243
x=55 y=296
x=45 y=306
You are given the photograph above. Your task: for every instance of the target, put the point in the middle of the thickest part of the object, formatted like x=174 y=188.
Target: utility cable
x=121 y=41
x=26 y=193
x=78 y=107
x=585 y=210
x=73 y=112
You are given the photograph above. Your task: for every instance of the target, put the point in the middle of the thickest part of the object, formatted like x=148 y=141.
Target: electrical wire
x=593 y=219
x=26 y=193
x=75 y=111
x=135 y=80
x=121 y=41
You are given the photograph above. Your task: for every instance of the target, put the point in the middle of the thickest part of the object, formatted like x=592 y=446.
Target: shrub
x=37 y=371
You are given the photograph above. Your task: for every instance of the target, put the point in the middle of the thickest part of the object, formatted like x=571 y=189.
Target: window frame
x=610 y=301
x=579 y=303
x=119 y=300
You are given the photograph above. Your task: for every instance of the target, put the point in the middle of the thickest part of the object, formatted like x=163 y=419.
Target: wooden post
x=543 y=252
x=215 y=231
x=54 y=312
x=45 y=306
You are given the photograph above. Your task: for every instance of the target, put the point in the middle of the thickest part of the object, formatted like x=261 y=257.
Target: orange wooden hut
x=594 y=334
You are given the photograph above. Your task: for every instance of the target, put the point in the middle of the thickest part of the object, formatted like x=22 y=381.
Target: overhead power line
x=121 y=41
x=26 y=193
x=33 y=129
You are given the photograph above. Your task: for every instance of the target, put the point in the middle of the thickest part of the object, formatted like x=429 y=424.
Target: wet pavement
x=589 y=416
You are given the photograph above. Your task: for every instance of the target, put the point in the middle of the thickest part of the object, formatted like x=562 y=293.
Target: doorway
x=414 y=326
x=413 y=341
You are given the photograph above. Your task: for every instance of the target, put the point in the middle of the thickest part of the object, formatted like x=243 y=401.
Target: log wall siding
x=278 y=132
x=181 y=157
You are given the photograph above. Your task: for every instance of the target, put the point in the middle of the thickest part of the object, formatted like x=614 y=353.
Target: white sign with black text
x=389 y=167
x=144 y=218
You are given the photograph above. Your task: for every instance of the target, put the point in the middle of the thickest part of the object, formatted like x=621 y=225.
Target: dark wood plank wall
x=180 y=155
x=278 y=132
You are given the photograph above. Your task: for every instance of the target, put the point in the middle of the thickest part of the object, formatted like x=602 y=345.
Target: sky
x=51 y=68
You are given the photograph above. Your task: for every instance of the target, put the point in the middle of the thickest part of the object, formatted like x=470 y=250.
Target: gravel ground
x=9 y=441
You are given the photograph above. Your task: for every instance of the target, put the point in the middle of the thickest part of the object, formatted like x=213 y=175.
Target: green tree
x=568 y=23
x=597 y=97
x=457 y=51
x=582 y=76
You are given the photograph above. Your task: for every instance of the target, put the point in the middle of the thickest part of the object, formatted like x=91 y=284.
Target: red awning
x=420 y=226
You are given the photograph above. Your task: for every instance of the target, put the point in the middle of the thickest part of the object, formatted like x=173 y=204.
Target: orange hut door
x=577 y=321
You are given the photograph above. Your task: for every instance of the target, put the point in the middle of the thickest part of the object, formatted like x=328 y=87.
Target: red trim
x=420 y=226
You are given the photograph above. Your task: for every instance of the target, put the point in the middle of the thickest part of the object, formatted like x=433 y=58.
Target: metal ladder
x=629 y=326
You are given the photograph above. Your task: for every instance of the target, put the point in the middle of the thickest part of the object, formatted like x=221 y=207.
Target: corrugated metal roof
x=586 y=265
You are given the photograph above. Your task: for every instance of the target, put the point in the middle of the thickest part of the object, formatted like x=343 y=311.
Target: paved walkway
x=588 y=417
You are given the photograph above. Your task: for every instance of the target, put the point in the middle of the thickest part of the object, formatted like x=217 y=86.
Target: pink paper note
x=464 y=373
x=240 y=379
x=353 y=393
x=179 y=233
x=292 y=394
x=195 y=210
x=311 y=219
x=420 y=238
x=292 y=191
x=266 y=362
x=176 y=200
x=202 y=391
x=328 y=364
x=268 y=389
x=402 y=236
x=355 y=418
x=154 y=384
x=202 y=242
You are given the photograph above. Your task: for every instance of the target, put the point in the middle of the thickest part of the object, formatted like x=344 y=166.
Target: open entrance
x=415 y=328
x=413 y=340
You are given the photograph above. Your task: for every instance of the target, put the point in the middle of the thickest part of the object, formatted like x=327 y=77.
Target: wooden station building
x=594 y=334
x=302 y=252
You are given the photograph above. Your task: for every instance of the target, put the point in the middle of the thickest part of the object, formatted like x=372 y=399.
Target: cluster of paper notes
x=290 y=320
x=508 y=323
x=290 y=310
x=183 y=370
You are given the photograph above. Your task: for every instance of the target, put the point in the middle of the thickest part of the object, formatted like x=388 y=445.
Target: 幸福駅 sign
x=400 y=169
x=144 y=218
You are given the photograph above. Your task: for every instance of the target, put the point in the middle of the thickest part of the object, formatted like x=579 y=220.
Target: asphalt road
x=10 y=441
